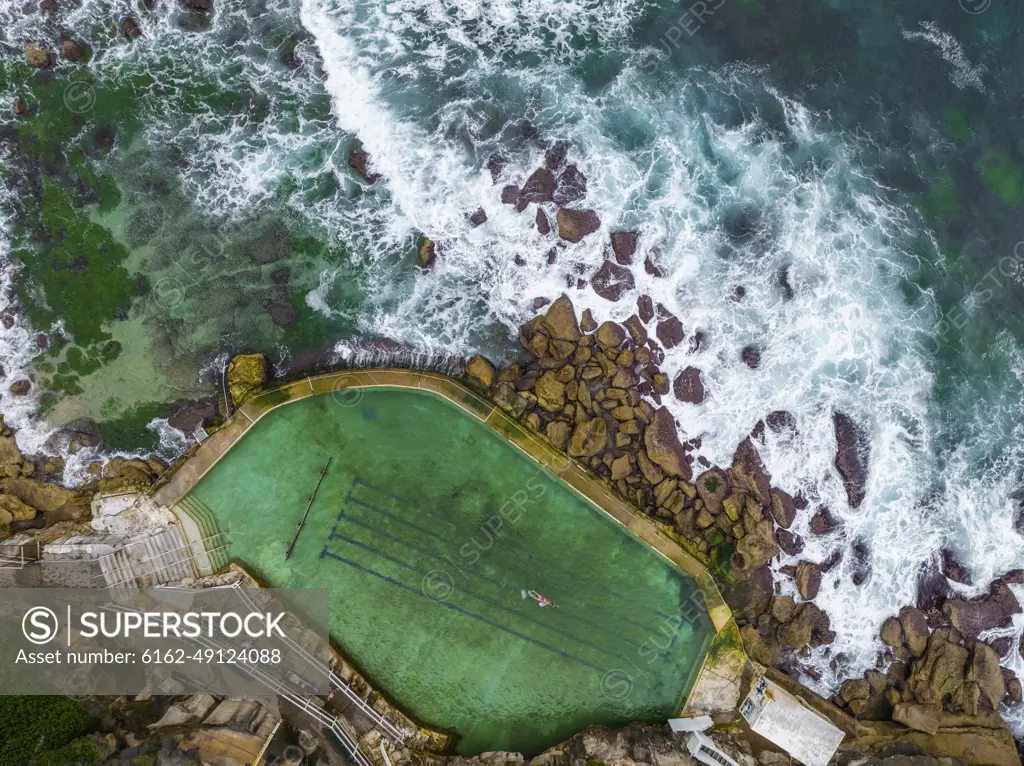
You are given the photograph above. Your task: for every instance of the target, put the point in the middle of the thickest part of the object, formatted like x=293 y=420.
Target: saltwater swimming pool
x=428 y=528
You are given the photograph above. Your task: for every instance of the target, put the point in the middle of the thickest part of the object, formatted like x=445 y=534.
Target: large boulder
x=560 y=320
x=808 y=580
x=853 y=452
x=986 y=676
x=361 y=163
x=753 y=551
x=610 y=335
x=550 y=392
x=915 y=630
x=539 y=187
x=985 y=613
x=749 y=593
x=623 y=246
x=574 y=225
x=611 y=281
x=783 y=507
x=661 y=440
x=589 y=438
x=246 y=373
x=480 y=371
x=940 y=673
x=749 y=471
x=713 y=488
x=37 y=57
x=808 y=621
x=13 y=508
x=670 y=331
x=688 y=386
x=571 y=186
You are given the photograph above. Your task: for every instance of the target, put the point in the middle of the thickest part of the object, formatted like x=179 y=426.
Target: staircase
x=212 y=544
x=159 y=558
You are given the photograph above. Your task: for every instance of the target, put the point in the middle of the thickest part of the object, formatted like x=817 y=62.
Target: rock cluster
x=586 y=389
x=246 y=373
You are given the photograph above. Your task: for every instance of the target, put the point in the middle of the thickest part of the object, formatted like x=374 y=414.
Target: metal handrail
x=344 y=688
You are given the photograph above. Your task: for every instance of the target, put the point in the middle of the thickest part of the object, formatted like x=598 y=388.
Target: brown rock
x=651 y=472
x=572 y=186
x=637 y=331
x=621 y=468
x=822 y=522
x=749 y=593
x=623 y=246
x=670 y=332
x=915 y=630
x=360 y=162
x=610 y=335
x=783 y=508
x=554 y=157
x=480 y=371
x=855 y=689
x=611 y=281
x=645 y=308
x=751 y=357
x=713 y=488
x=37 y=57
x=792 y=544
x=939 y=673
x=892 y=633
x=952 y=568
x=753 y=551
x=985 y=613
x=558 y=433
x=550 y=392
x=984 y=671
x=853 y=451
x=574 y=225
x=560 y=320
x=587 y=323
x=543 y=225
x=130 y=28
x=20 y=387
x=783 y=608
x=808 y=580
x=589 y=438
x=427 y=252
x=748 y=469
x=661 y=441
x=799 y=632
x=688 y=386
x=539 y=187
x=478 y=217
x=510 y=194
x=71 y=51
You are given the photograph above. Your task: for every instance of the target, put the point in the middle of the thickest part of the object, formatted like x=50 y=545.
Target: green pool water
x=427 y=529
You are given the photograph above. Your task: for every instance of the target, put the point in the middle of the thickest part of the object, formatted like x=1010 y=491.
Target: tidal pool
x=430 y=529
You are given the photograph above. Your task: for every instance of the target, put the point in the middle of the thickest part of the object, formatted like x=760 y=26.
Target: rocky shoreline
x=589 y=387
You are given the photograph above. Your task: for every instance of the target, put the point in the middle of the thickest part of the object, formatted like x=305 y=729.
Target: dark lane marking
x=335 y=536
x=481 y=575
x=568 y=576
x=446 y=605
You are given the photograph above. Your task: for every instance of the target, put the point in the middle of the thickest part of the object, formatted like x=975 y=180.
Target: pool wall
x=721 y=677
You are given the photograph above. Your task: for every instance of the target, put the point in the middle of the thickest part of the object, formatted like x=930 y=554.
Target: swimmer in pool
x=541 y=600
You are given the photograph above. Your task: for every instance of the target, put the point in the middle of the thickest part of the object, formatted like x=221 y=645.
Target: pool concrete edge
x=725 y=671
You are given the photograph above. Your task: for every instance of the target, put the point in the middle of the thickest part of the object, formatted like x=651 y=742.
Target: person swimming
x=541 y=600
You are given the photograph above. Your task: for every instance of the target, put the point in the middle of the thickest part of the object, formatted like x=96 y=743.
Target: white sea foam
x=963 y=73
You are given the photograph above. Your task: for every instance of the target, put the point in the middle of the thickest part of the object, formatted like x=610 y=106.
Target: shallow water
x=871 y=151
x=427 y=529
